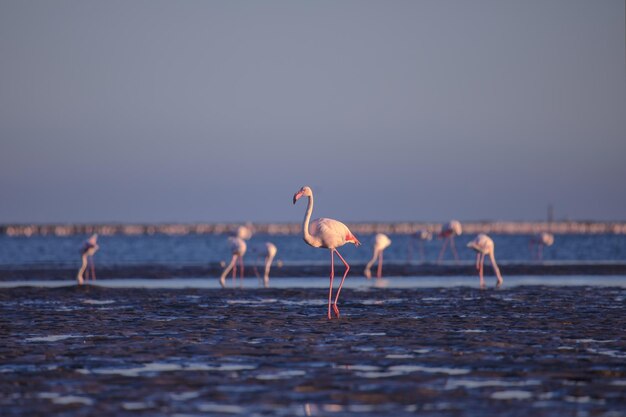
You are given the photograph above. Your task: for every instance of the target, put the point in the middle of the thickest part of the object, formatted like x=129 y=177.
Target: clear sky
x=184 y=111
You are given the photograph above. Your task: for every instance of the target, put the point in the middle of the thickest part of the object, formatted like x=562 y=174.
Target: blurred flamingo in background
x=244 y=232
x=381 y=242
x=540 y=240
x=484 y=245
x=268 y=252
x=421 y=236
x=448 y=232
x=238 y=249
x=89 y=248
x=329 y=234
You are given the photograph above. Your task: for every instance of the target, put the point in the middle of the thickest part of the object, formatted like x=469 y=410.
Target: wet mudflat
x=541 y=351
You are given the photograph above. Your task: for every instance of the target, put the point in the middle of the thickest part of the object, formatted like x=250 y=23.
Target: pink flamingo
x=484 y=245
x=448 y=232
x=268 y=251
x=421 y=236
x=329 y=234
x=90 y=247
x=238 y=249
x=541 y=240
x=381 y=242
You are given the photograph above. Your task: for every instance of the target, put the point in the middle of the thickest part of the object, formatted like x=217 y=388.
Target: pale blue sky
x=144 y=111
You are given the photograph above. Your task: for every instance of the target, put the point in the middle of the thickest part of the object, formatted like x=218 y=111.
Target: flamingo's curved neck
x=305 y=224
x=371 y=262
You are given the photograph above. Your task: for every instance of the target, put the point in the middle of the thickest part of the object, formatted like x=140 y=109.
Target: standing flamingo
x=329 y=234
x=89 y=248
x=483 y=245
x=448 y=232
x=381 y=242
x=421 y=236
x=238 y=249
x=541 y=240
x=268 y=252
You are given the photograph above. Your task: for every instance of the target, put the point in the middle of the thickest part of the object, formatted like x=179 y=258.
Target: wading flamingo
x=329 y=234
x=238 y=249
x=90 y=246
x=268 y=251
x=421 y=236
x=541 y=240
x=381 y=242
x=483 y=245
x=448 y=232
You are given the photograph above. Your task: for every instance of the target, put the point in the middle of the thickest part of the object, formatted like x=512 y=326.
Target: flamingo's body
x=421 y=236
x=448 y=232
x=329 y=234
x=244 y=232
x=381 y=242
x=268 y=252
x=89 y=248
x=541 y=240
x=238 y=248
x=483 y=245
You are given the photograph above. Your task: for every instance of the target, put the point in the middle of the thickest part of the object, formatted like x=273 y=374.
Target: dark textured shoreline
x=534 y=350
x=56 y=272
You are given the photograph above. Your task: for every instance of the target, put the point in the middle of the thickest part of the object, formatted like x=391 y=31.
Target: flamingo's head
x=303 y=192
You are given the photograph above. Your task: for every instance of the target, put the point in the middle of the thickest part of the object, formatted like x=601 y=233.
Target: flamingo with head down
x=329 y=234
x=483 y=245
x=448 y=232
x=86 y=253
x=381 y=242
x=268 y=252
x=542 y=240
x=421 y=236
x=238 y=248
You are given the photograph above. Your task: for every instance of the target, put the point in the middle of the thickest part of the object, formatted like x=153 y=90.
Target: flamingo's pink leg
x=478 y=261
x=380 y=265
x=492 y=256
x=443 y=249
x=480 y=271
x=241 y=267
x=93 y=268
x=341 y=284
x=332 y=276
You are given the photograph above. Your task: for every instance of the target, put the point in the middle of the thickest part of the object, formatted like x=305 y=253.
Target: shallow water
x=205 y=249
x=355 y=282
x=452 y=351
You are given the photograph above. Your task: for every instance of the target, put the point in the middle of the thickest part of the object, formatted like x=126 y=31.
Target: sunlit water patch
x=65 y=399
x=481 y=383
x=280 y=375
x=157 y=367
x=512 y=395
x=54 y=338
x=98 y=302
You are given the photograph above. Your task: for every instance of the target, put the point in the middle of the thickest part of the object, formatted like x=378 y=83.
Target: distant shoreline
x=495 y=227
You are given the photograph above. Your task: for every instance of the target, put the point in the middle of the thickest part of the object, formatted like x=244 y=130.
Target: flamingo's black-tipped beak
x=297 y=196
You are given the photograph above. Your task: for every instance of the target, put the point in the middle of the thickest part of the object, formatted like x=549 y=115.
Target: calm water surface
x=202 y=249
